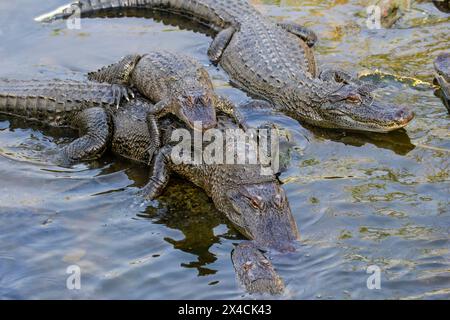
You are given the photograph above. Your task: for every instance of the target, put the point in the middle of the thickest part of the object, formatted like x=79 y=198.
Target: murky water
x=359 y=199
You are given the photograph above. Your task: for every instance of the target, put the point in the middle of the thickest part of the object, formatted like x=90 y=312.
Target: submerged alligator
x=442 y=66
x=271 y=61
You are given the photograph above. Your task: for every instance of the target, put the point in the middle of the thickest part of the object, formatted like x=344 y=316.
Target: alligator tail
x=84 y=7
x=31 y=107
x=53 y=102
x=217 y=13
x=62 y=12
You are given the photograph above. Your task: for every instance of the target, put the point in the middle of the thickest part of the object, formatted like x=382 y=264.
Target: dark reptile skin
x=79 y=105
x=270 y=62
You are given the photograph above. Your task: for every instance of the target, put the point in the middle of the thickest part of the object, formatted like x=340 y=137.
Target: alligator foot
x=95 y=134
x=121 y=92
x=219 y=44
x=302 y=32
x=159 y=176
x=254 y=271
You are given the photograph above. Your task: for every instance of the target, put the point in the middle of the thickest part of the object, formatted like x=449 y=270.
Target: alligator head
x=352 y=107
x=196 y=109
x=262 y=213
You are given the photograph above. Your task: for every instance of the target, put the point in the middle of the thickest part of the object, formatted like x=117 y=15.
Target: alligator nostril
x=404 y=115
x=400 y=113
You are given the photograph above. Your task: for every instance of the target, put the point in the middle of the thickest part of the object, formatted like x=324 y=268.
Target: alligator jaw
x=50 y=16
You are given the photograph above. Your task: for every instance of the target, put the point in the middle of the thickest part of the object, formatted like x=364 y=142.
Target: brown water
x=359 y=199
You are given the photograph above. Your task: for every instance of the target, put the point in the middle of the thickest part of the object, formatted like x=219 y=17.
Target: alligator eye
x=278 y=201
x=190 y=100
x=354 y=98
x=206 y=100
x=257 y=203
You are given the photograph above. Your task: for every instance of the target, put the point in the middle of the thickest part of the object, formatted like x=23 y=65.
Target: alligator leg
x=120 y=92
x=119 y=75
x=160 y=109
x=302 y=32
x=94 y=126
x=116 y=73
x=160 y=174
x=306 y=39
x=219 y=44
x=254 y=271
x=226 y=106
x=154 y=133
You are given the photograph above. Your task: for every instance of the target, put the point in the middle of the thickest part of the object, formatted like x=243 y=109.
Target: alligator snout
x=199 y=118
x=403 y=116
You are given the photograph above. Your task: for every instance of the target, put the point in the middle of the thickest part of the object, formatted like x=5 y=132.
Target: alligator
x=272 y=61
x=251 y=198
x=175 y=83
x=442 y=66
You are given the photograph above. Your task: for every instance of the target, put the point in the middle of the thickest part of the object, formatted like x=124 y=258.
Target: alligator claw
x=121 y=92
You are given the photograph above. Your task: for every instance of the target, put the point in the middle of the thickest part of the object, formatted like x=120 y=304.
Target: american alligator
x=442 y=66
x=176 y=83
x=254 y=202
x=271 y=61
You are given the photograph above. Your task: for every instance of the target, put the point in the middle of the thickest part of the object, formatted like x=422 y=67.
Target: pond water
x=360 y=199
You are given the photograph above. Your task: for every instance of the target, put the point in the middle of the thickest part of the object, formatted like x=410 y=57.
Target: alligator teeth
x=47 y=17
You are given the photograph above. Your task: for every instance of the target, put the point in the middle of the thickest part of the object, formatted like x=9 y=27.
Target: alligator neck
x=302 y=101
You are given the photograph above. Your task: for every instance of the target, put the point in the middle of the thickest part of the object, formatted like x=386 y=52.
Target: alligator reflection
x=188 y=209
x=397 y=141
